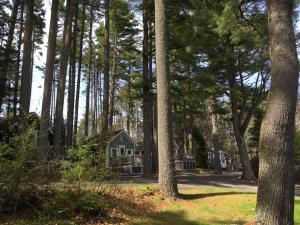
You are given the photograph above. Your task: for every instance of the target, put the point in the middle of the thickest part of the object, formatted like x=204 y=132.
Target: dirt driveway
x=229 y=180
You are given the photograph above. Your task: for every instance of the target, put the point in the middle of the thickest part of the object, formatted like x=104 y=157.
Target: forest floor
x=142 y=205
x=205 y=199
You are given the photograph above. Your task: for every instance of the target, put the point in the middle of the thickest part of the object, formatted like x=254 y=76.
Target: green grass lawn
x=212 y=206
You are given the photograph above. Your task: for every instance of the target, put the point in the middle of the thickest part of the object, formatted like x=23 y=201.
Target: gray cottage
x=122 y=154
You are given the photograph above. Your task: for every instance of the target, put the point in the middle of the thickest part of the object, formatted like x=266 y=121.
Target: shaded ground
x=229 y=180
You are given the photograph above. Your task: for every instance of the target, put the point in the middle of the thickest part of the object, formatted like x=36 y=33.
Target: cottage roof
x=117 y=133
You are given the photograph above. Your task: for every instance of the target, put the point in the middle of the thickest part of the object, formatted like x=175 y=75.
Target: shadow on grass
x=178 y=218
x=214 y=194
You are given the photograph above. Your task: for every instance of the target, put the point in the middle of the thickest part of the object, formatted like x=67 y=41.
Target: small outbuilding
x=122 y=154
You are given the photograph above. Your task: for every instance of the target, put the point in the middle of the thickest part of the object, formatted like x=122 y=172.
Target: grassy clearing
x=213 y=206
x=143 y=206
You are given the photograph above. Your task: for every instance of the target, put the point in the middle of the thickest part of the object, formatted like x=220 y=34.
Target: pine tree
x=27 y=60
x=275 y=197
x=167 y=180
x=45 y=113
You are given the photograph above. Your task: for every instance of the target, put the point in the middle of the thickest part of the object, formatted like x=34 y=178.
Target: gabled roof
x=117 y=133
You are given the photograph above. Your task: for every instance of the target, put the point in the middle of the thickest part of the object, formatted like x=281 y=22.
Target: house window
x=122 y=149
x=113 y=152
x=129 y=151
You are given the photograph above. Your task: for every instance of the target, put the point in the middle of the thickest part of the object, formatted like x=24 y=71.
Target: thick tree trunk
x=216 y=142
x=167 y=180
x=17 y=74
x=45 y=113
x=7 y=52
x=88 y=85
x=147 y=115
x=106 y=71
x=275 y=198
x=71 y=90
x=79 y=70
x=66 y=42
x=26 y=67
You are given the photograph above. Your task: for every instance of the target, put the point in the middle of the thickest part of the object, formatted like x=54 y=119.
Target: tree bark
x=167 y=180
x=71 y=90
x=106 y=70
x=45 y=113
x=113 y=85
x=66 y=42
x=95 y=98
x=17 y=75
x=7 y=52
x=26 y=67
x=155 y=138
x=88 y=85
x=239 y=134
x=216 y=143
x=275 y=198
x=79 y=70
x=147 y=115
x=129 y=113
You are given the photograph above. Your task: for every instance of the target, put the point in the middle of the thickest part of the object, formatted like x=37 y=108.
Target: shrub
x=84 y=163
x=18 y=169
x=70 y=204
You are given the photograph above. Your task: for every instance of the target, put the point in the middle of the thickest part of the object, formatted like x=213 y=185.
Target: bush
x=84 y=163
x=18 y=169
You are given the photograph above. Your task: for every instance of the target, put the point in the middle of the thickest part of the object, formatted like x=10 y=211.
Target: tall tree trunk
x=17 y=75
x=216 y=142
x=45 y=113
x=88 y=85
x=239 y=134
x=66 y=42
x=113 y=85
x=275 y=198
x=71 y=91
x=53 y=98
x=153 y=103
x=7 y=51
x=129 y=113
x=167 y=180
x=155 y=137
x=95 y=98
x=147 y=108
x=106 y=70
x=26 y=67
x=79 y=70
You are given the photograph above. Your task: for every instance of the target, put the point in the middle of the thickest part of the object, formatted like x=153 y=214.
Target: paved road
x=192 y=180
